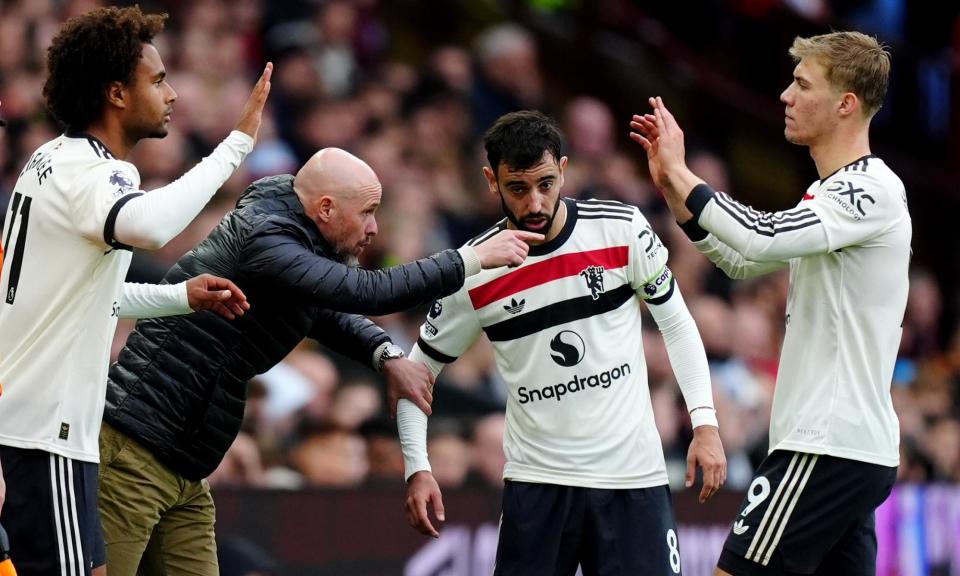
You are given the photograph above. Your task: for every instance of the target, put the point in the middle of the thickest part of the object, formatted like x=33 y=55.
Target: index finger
x=262 y=87
x=265 y=76
x=529 y=236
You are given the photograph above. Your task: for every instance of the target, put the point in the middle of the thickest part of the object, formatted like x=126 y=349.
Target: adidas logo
x=514 y=307
x=739 y=529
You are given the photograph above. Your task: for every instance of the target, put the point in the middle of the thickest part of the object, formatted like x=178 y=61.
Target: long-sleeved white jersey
x=565 y=327
x=61 y=281
x=847 y=244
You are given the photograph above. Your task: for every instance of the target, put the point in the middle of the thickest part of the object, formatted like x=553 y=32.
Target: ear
x=116 y=94
x=849 y=103
x=491 y=180
x=326 y=208
x=562 y=164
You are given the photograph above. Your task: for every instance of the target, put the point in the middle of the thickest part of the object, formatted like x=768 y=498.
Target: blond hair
x=853 y=62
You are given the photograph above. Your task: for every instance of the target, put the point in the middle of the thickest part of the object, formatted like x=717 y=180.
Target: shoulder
x=265 y=224
x=613 y=210
x=869 y=172
x=611 y=218
x=863 y=186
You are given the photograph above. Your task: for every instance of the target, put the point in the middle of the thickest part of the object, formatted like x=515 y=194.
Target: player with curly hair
x=75 y=215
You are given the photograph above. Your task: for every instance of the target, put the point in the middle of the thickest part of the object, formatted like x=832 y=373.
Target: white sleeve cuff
x=471 y=262
x=704 y=417
x=153 y=300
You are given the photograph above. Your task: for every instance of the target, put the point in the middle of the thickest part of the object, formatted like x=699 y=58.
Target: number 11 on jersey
x=21 y=203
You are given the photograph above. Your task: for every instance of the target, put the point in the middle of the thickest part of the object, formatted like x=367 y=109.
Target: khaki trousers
x=155 y=522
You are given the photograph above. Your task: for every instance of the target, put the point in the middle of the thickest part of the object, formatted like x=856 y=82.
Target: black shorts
x=548 y=530
x=808 y=514
x=50 y=513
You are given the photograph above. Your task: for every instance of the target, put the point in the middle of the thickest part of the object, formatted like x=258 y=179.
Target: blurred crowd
x=355 y=74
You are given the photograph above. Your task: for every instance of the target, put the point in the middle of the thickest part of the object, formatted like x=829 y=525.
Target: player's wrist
x=703 y=418
x=471 y=260
x=419 y=474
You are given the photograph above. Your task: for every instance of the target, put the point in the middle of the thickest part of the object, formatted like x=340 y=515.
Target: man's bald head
x=340 y=193
x=336 y=173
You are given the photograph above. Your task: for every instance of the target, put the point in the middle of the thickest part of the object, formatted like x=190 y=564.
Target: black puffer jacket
x=179 y=385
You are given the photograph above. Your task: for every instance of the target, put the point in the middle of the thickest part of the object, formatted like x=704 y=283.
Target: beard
x=520 y=223
x=345 y=257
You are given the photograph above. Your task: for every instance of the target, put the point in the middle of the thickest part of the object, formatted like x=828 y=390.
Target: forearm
x=412 y=423
x=280 y=257
x=356 y=337
x=757 y=235
x=678 y=184
x=153 y=219
x=153 y=300
x=412 y=426
x=726 y=258
x=687 y=358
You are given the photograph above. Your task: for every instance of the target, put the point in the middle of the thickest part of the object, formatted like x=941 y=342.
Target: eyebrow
x=539 y=180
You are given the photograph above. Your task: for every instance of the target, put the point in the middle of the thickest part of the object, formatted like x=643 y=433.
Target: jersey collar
x=70 y=133
x=860 y=159
x=565 y=232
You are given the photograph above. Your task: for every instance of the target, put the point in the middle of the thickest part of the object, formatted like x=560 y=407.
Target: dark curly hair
x=519 y=140
x=90 y=52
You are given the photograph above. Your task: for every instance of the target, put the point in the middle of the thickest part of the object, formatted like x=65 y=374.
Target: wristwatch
x=390 y=352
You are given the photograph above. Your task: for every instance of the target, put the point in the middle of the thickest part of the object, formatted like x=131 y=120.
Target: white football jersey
x=847 y=244
x=60 y=284
x=565 y=327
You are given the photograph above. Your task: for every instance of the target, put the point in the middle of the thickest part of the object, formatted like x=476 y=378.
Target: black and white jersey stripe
x=764 y=223
x=488 y=233
x=858 y=165
x=557 y=313
x=605 y=210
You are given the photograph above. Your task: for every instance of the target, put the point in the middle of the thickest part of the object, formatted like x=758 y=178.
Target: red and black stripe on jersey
x=555 y=268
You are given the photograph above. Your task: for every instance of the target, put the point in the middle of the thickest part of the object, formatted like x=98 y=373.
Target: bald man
x=176 y=396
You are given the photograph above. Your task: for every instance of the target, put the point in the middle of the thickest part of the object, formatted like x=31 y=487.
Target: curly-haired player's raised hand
x=249 y=122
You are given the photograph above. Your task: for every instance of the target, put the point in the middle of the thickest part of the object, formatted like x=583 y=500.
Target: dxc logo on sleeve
x=850 y=198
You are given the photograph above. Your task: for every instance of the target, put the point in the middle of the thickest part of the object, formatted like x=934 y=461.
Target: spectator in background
x=508 y=74
x=451 y=454
x=486 y=449
x=383 y=451
x=331 y=457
